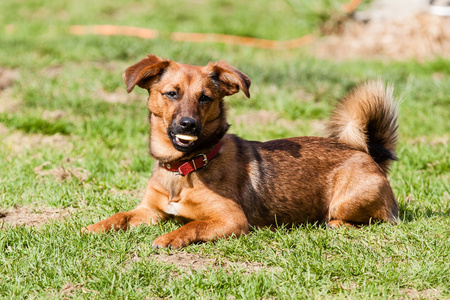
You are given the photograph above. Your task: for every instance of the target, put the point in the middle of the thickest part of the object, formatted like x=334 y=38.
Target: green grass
x=70 y=74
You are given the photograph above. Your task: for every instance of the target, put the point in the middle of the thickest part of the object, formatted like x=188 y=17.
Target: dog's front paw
x=119 y=221
x=93 y=228
x=170 y=240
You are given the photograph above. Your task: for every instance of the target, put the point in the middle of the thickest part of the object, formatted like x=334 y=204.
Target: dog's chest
x=173 y=208
x=173 y=184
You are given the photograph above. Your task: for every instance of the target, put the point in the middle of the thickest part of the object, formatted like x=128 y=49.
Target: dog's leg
x=123 y=220
x=222 y=219
x=148 y=212
x=361 y=195
x=338 y=223
x=199 y=231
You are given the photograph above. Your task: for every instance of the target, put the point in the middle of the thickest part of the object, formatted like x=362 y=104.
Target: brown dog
x=220 y=184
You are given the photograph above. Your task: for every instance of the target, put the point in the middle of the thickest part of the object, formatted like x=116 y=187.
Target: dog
x=220 y=185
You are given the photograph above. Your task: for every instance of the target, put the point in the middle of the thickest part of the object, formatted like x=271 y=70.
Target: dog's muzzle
x=184 y=133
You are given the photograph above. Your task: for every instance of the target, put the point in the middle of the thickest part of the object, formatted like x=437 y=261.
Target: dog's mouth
x=184 y=139
x=183 y=142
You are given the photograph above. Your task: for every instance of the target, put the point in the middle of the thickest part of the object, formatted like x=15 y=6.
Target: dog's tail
x=366 y=120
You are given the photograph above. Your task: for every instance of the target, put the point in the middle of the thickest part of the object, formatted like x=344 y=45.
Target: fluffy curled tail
x=366 y=120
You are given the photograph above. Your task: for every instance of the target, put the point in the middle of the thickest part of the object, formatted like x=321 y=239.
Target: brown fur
x=341 y=181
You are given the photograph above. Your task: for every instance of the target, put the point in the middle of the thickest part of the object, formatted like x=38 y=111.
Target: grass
x=74 y=75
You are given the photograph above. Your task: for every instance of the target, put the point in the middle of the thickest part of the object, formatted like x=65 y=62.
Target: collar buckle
x=205 y=159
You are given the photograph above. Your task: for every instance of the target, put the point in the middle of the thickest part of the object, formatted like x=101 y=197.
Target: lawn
x=74 y=151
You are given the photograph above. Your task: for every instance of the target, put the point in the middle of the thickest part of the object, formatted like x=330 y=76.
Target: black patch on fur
x=283 y=145
x=379 y=153
x=250 y=199
x=376 y=140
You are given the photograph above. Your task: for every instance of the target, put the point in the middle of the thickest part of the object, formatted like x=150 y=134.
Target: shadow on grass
x=408 y=213
x=36 y=125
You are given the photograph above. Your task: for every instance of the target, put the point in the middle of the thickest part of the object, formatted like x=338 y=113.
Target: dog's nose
x=188 y=124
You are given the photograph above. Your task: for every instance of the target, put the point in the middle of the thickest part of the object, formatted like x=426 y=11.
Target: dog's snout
x=188 y=124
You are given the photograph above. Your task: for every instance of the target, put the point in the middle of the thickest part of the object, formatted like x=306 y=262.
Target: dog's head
x=186 y=103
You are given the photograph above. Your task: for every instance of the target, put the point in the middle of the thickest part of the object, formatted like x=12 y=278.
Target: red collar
x=187 y=166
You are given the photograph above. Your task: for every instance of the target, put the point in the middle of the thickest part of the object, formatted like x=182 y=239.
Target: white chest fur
x=173 y=208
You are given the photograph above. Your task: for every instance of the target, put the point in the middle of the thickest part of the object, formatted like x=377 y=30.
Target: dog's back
x=305 y=179
x=282 y=181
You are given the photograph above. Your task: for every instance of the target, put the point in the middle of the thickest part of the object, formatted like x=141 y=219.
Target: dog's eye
x=171 y=95
x=205 y=99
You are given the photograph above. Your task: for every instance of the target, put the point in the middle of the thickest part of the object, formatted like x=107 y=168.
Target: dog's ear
x=229 y=78
x=145 y=72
